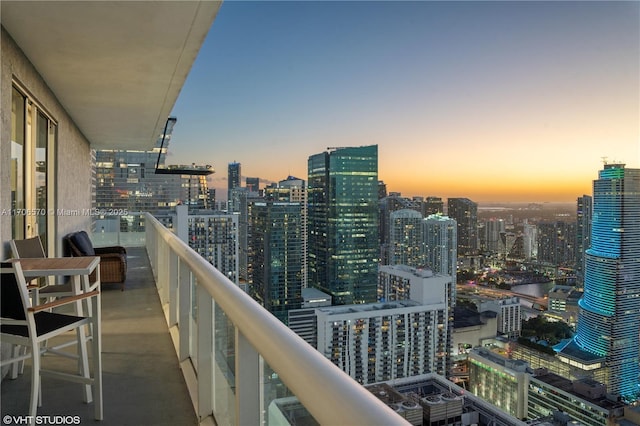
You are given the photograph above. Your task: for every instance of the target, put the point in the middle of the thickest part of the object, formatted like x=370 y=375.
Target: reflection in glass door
x=32 y=146
x=40 y=194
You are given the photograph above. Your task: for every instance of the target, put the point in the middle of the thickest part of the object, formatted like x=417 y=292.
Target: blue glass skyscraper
x=277 y=245
x=343 y=224
x=609 y=319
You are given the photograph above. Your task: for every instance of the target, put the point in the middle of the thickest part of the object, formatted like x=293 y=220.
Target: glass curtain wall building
x=127 y=180
x=343 y=223
x=465 y=213
x=233 y=181
x=609 y=318
x=276 y=241
x=583 y=233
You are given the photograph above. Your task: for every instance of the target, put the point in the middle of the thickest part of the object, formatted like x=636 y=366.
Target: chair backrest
x=80 y=244
x=30 y=247
x=14 y=299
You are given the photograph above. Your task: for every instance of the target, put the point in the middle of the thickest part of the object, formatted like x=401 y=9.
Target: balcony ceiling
x=116 y=67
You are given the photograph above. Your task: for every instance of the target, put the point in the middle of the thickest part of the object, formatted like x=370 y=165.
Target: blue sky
x=497 y=101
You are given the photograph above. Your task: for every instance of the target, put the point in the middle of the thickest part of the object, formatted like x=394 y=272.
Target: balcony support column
x=248 y=382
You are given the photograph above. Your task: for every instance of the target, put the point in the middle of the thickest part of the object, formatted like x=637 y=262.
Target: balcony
x=184 y=345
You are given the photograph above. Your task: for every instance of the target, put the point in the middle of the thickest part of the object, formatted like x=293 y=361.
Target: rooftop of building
x=421 y=272
x=561 y=289
x=570 y=387
x=571 y=350
x=514 y=300
x=433 y=385
x=511 y=364
x=465 y=317
x=368 y=307
x=310 y=293
x=565 y=292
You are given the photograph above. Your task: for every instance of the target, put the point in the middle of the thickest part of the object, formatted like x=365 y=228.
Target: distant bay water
x=534 y=289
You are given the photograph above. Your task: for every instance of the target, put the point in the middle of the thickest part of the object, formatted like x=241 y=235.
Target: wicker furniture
x=113 y=260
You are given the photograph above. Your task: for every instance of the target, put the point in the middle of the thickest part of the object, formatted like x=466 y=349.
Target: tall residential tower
x=465 y=213
x=233 y=182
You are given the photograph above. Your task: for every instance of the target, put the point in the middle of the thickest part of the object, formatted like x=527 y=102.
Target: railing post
x=184 y=310
x=204 y=304
x=160 y=270
x=148 y=239
x=118 y=233
x=163 y=271
x=248 y=401
x=173 y=288
x=159 y=246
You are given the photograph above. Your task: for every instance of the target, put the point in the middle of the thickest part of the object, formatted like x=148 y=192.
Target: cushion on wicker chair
x=113 y=260
x=82 y=243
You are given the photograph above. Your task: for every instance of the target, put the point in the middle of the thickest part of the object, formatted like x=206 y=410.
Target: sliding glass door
x=33 y=139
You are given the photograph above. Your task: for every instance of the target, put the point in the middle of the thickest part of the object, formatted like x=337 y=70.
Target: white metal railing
x=202 y=305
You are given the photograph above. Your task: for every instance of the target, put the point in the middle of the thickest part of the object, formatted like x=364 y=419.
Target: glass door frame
x=39 y=209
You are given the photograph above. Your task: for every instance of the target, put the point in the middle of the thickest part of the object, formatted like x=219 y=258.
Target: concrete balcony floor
x=142 y=381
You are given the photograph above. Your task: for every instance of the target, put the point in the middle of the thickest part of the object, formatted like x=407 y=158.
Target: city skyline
x=494 y=101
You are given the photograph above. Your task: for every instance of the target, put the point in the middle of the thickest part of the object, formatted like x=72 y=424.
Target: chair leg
x=35 y=381
x=83 y=362
x=96 y=349
x=16 y=367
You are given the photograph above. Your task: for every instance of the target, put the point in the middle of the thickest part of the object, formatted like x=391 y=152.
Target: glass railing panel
x=224 y=377
x=106 y=231
x=121 y=230
x=281 y=405
x=219 y=384
x=132 y=230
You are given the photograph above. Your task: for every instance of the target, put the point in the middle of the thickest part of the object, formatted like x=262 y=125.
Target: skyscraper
x=215 y=237
x=407 y=335
x=440 y=236
x=140 y=181
x=583 y=233
x=433 y=205
x=343 y=223
x=465 y=213
x=252 y=184
x=233 y=180
x=556 y=243
x=609 y=318
x=405 y=239
x=492 y=229
x=276 y=240
x=441 y=256
x=293 y=190
x=243 y=204
x=387 y=205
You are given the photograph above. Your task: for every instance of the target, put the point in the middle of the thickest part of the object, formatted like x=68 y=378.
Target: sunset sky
x=494 y=101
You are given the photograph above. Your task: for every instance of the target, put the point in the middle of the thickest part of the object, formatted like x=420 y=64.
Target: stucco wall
x=73 y=155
